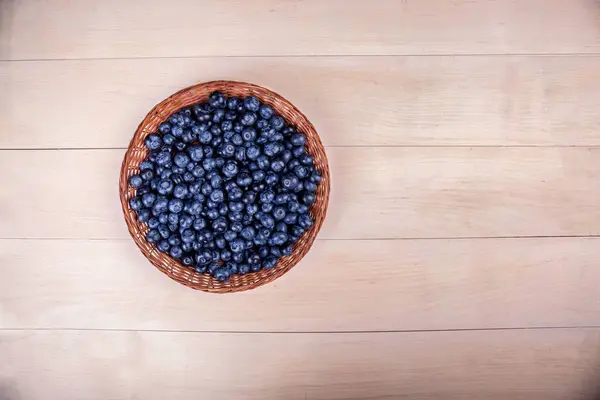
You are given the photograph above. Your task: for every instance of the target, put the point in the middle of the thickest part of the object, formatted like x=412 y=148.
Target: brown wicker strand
x=137 y=152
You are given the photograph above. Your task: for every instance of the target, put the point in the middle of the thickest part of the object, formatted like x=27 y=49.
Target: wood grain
x=530 y=101
x=376 y=193
x=339 y=286
x=113 y=28
x=522 y=365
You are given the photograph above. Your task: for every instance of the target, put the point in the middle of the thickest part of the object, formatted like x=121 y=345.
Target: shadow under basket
x=137 y=152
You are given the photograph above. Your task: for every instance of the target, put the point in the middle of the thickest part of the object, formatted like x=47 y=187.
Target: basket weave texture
x=137 y=152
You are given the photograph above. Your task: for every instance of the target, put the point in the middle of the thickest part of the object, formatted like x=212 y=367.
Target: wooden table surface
x=461 y=255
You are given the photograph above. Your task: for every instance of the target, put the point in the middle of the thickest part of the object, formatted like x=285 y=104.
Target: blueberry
x=136 y=181
x=216 y=181
x=153 y=236
x=148 y=199
x=244 y=179
x=153 y=142
x=271 y=178
x=205 y=137
x=227 y=150
x=233 y=103
x=279 y=213
x=199 y=223
x=266 y=111
x=212 y=213
x=270 y=262
x=176 y=252
x=253 y=152
x=267 y=207
x=135 y=203
x=198 y=171
x=217 y=196
x=165 y=186
x=203 y=257
x=277 y=122
x=230 y=169
x=308 y=198
x=229 y=235
x=310 y=186
x=236 y=206
x=181 y=160
x=249 y=134
x=143 y=215
x=263 y=162
x=164 y=128
x=195 y=153
x=278 y=239
x=220 y=242
x=301 y=171
x=163 y=246
x=180 y=191
x=251 y=209
x=153 y=223
x=248 y=119
x=298 y=139
x=287 y=251
x=188 y=236
x=305 y=221
x=185 y=221
x=267 y=196
x=209 y=164
x=306 y=159
x=177 y=131
x=194 y=207
x=219 y=225
x=267 y=221
x=277 y=165
x=173 y=219
x=222 y=274
x=147 y=175
x=251 y=103
x=217 y=100
x=290 y=218
x=163 y=158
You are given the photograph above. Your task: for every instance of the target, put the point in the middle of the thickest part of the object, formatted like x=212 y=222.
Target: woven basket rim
x=136 y=152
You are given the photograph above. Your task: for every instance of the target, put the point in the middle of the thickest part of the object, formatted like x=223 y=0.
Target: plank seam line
x=342 y=332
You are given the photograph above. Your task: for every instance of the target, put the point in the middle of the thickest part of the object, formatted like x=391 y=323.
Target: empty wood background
x=461 y=255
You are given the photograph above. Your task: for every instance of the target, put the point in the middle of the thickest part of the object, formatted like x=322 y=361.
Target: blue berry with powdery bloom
x=153 y=142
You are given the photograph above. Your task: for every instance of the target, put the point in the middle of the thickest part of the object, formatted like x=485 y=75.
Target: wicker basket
x=137 y=152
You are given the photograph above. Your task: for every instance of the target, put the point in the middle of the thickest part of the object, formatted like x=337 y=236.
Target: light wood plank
x=151 y=28
x=535 y=101
x=339 y=286
x=376 y=193
x=522 y=365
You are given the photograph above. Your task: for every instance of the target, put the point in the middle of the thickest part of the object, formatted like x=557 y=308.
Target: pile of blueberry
x=226 y=188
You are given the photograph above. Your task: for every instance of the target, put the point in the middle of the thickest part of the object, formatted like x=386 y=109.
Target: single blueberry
x=148 y=199
x=267 y=196
x=136 y=181
x=290 y=218
x=173 y=219
x=230 y=169
x=222 y=274
x=217 y=196
x=244 y=179
x=176 y=252
x=143 y=215
x=180 y=191
x=153 y=223
x=227 y=150
x=277 y=122
x=308 y=198
x=185 y=221
x=249 y=134
x=135 y=203
x=163 y=246
x=153 y=236
x=305 y=221
x=165 y=127
x=188 y=235
x=217 y=100
x=163 y=158
x=248 y=119
x=279 y=213
x=266 y=111
x=270 y=262
x=251 y=103
x=267 y=207
x=153 y=141
x=277 y=165
x=278 y=239
x=233 y=103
